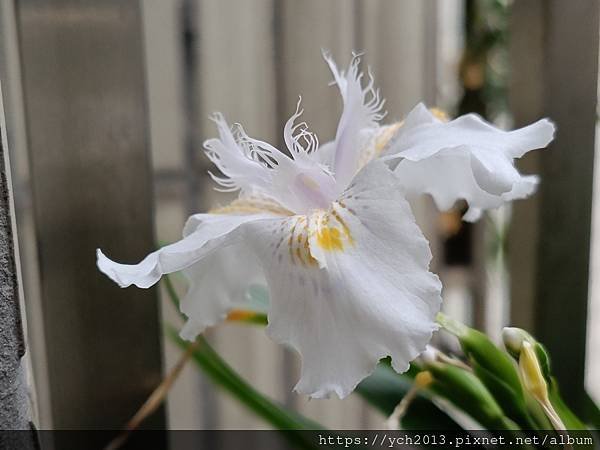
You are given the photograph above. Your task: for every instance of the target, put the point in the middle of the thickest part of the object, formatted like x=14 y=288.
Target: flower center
x=330 y=230
x=310 y=191
x=323 y=231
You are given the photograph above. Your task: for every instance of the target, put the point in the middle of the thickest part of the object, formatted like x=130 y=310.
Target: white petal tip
x=548 y=129
x=105 y=264
x=472 y=215
x=191 y=330
x=324 y=393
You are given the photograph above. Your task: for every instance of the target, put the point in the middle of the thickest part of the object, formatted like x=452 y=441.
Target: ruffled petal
x=362 y=110
x=349 y=285
x=204 y=233
x=217 y=284
x=423 y=135
x=213 y=257
x=466 y=158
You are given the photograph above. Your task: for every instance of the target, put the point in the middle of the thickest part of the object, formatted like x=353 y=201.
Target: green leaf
x=272 y=412
x=385 y=388
x=568 y=417
x=172 y=294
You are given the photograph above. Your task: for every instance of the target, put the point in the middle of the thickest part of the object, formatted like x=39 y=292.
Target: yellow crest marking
x=326 y=230
x=332 y=232
x=330 y=239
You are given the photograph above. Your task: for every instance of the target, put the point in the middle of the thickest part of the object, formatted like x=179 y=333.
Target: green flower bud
x=480 y=349
x=534 y=364
x=514 y=338
x=494 y=368
x=462 y=388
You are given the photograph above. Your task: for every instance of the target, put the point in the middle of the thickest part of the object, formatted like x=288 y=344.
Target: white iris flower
x=330 y=232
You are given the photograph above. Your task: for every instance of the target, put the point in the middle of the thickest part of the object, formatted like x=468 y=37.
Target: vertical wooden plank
x=450 y=44
x=431 y=59
x=569 y=97
x=393 y=40
x=305 y=28
x=191 y=97
x=526 y=103
x=236 y=76
x=163 y=56
x=167 y=95
x=566 y=196
x=86 y=121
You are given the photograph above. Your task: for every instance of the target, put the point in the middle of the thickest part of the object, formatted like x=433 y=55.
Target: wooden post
x=15 y=412
x=563 y=69
x=86 y=122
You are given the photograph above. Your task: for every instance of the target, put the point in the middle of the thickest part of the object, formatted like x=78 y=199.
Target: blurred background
x=107 y=106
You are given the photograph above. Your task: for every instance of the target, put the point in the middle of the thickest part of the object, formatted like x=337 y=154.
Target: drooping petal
x=466 y=158
x=204 y=233
x=349 y=285
x=218 y=284
x=362 y=110
x=448 y=176
x=220 y=281
x=214 y=258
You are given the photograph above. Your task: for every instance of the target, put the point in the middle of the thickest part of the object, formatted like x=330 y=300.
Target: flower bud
x=513 y=339
x=531 y=373
x=493 y=367
x=462 y=388
x=482 y=351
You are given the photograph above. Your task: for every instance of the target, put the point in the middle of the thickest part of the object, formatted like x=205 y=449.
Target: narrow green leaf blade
x=272 y=412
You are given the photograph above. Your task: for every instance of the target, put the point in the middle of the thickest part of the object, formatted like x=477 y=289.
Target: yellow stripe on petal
x=440 y=114
x=298 y=243
x=252 y=205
